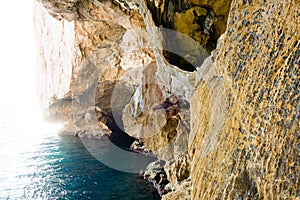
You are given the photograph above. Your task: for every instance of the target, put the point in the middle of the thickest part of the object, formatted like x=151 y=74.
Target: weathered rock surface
x=56 y=49
x=162 y=122
x=103 y=50
x=201 y=20
x=244 y=140
x=180 y=191
x=155 y=174
x=228 y=130
x=66 y=9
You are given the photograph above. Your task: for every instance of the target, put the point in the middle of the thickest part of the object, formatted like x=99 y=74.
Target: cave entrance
x=112 y=97
x=182 y=51
x=178 y=61
x=119 y=137
x=204 y=22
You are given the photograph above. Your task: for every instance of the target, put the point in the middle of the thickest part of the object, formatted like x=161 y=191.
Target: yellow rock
x=186 y=23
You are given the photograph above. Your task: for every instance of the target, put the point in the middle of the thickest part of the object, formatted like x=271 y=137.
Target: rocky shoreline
x=154 y=173
x=223 y=113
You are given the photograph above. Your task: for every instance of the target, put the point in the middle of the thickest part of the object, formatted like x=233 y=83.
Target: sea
x=51 y=166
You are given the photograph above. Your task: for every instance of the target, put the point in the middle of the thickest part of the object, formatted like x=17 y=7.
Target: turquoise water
x=60 y=167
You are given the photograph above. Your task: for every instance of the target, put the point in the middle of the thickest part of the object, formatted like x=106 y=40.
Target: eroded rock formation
x=102 y=53
x=226 y=121
x=245 y=121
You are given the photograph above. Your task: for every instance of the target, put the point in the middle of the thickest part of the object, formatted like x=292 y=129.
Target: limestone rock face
x=228 y=128
x=244 y=140
x=159 y=117
x=56 y=49
x=178 y=170
x=202 y=20
x=158 y=113
x=186 y=23
x=217 y=15
x=62 y=9
x=100 y=49
x=181 y=191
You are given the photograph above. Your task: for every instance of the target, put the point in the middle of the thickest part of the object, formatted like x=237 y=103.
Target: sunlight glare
x=20 y=108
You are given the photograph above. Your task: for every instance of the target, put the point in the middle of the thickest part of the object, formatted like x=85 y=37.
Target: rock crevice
x=216 y=95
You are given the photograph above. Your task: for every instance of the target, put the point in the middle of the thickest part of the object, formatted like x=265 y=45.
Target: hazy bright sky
x=18 y=102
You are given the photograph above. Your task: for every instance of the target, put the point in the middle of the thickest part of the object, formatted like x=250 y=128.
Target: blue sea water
x=61 y=167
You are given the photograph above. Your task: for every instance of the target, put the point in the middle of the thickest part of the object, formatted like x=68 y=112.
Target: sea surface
x=61 y=167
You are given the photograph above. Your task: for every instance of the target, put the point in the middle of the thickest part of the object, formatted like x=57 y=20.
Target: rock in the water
x=139 y=147
x=155 y=174
x=232 y=131
x=82 y=61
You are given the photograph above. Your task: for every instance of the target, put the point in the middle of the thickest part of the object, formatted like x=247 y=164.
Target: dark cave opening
x=178 y=61
x=112 y=97
x=205 y=27
x=119 y=137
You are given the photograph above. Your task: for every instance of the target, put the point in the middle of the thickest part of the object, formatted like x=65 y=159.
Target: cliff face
x=224 y=115
x=56 y=49
x=245 y=117
x=102 y=54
